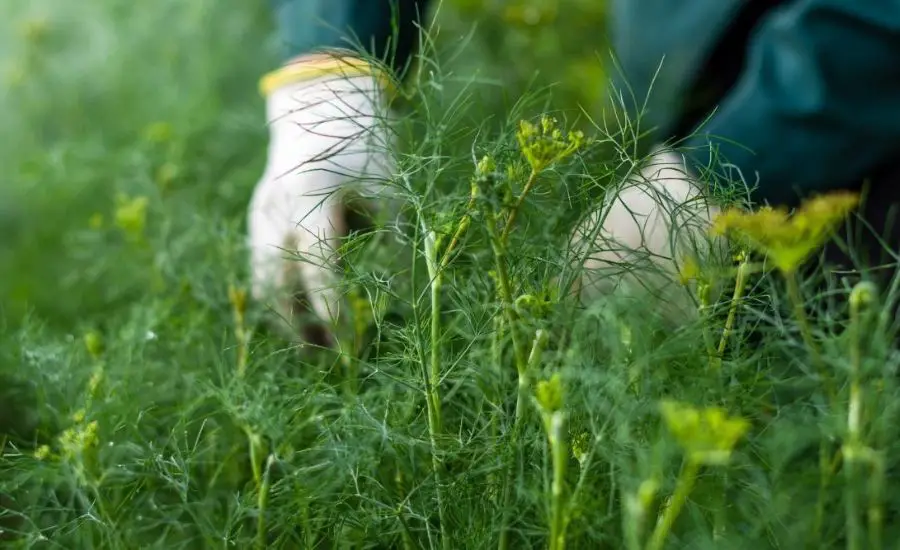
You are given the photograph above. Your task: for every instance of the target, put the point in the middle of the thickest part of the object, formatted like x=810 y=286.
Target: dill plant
x=479 y=403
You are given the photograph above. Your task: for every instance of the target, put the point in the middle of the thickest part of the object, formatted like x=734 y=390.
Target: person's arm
x=385 y=29
x=818 y=104
x=328 y=141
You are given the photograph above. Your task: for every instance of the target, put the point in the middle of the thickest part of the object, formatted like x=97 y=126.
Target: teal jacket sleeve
x=386 y=29
x=818 y=105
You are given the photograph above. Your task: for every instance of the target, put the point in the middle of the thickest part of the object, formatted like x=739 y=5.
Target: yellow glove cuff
x=315 y=66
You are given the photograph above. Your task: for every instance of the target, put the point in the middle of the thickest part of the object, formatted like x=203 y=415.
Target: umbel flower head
x=708 y=435
x=788 y=240
x=550 y=394
x=544 y=144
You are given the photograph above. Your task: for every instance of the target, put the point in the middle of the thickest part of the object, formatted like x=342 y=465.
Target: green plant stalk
x=827 y=468
x=852 y=502
x=497 y=363
x=498 y=247
x=793 y=289
x=875 y=515
x=262 y=501
x=405 y=533
x=704 y=310
x=720 y=522
x=461 y=229
x=434 y=366
x=685 y=484
x=740 y=284
x=511 y=219
x=256 y=452
x=432 y=382
x=854 y=440
x=555 y=425
x=506 y=302
x=633 y=522
x=538 y=346
x=236 y=297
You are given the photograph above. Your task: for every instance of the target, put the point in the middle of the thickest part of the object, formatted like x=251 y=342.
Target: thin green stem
x=432 y=382
x=827 y=467
x=853 y=444
x=262 y=501
x=434 y=369
x=875 y=510
x=511 y=219
x=740 y=284
x=852 y=503
x=793 y=289
x=538 y=345
x=504 y=289
x=683 y=488
x=855 y=451
x=461 y=228
x=705 y=310
x=555 y=424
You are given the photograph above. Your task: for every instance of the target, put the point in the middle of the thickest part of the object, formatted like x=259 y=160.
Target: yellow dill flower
x=863 y=295
x=76 y=440
x=78 y=416
x=544 y=144
x=93 y=342
x=708 y=435
x=131 y=215
x=689 y=271
x=487 y=165
x=788 y=240
x=166 y=175
x=96 y=221
x=158 y=133
x=550 y=394
x=580 y=447
x=529 y=305
x=42 y=452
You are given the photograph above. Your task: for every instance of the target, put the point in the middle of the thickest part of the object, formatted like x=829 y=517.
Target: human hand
x=647 y=226
x=328 y=143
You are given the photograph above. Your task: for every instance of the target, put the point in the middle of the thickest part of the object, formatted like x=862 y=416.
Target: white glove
x=327 y=136
x=647 y=227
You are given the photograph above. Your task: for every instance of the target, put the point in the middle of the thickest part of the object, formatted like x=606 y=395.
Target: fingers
x=316 y=239
x=328 y=142
x=272 y=279
x=643 y=230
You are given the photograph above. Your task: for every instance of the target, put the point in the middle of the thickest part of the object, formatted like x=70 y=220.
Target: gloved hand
x=647 y=228
x=328 y=141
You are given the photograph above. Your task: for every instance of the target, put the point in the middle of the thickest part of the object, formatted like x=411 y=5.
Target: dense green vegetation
x=476 y=402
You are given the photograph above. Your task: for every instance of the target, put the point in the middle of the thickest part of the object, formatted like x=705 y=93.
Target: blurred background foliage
x=104 y=99
x=536 y=43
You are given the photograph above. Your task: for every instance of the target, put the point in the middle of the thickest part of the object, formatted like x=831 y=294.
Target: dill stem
x=740 y=284
x=262 y=502
x=555 y=425
x=432 y=382
x=683 y=488
x=510 y=220
x=793 y=289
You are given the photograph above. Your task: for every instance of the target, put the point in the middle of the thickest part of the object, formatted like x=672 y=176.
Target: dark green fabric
x=385 y=29
x=815 y=98
x=817 y=102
